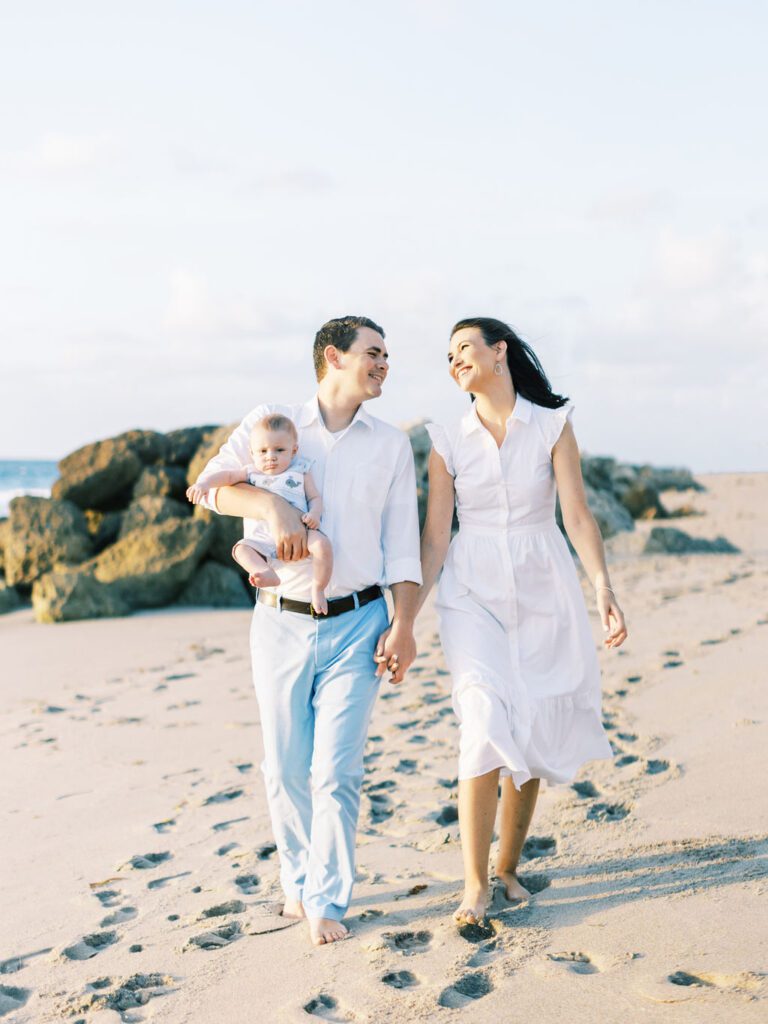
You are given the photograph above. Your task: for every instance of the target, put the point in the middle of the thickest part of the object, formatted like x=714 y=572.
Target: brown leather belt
x=336 y=607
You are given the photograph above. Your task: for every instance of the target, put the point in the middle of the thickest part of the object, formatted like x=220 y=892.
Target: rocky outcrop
x=9 y=598
x=42 y=534
x=150 y=510
x=98 y=475
x=182 y=444
x=216 y=586
x=225 y=532
x=208 y=448
x=664 y=540
x=146 y=569
x=161 y=482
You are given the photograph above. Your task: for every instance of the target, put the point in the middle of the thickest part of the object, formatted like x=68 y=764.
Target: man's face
x=365 y=364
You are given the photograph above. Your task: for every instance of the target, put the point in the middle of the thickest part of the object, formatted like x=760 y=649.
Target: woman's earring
x=497 y=369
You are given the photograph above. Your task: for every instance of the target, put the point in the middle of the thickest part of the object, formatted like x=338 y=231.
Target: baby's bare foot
x=513 y=890
x=324 y=930
x=264 y=578
x=473 y=906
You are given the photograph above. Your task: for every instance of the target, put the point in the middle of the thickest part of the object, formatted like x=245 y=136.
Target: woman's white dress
x=513 y=623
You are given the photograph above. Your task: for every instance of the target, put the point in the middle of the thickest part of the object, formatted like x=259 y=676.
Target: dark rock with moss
x=43 y=533
x=147 y=569
x=216 y=586
x=161 y=482
x=209 y=447
x=150 y=510
x=103 y=527
x=9 y=598
x=666 y=540
x=226 y=531
x=99 y=475
x=183 y=443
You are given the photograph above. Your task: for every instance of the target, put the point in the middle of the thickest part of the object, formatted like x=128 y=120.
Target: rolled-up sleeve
x=400 y=522
x=234 y=453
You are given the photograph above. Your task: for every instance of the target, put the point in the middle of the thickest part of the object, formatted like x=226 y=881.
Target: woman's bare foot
x=293 y=908
x=473 y=906
x=513 y=890
x=319 y=602
x=323 y=930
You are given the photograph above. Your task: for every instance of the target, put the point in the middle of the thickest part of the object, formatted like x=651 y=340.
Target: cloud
x=62 y=152
x=633 y=207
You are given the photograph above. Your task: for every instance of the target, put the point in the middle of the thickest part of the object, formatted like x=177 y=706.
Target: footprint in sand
x=535 y=883
x=118 y=917
x=465 y=991
x=130 y=994
x=223 y=826
x=448 y=815
x=108 y=897
x=325 y=1007
x=579 y=963
x=476 y=933
x=266 y=850
x=400 y=979
x=12 y=998
x=247 y=884
x=654 y=767
x=145 y=861
x=406 y=766
x=539 y=846
x=746 y=983
x=607 y=812
x=408 y=943
x=626 y=759
x=245 y=767
x=673 y=663
x=408 y=725
x=585 y=789
x=164 y=826
x=374 y=787
x=222 y=797
x=634 y=679
x=448 y=783
x=224 y=909
x=216 y=938
x=381 y=807
x=17 y=963
x=160 y=883
x=89 y=946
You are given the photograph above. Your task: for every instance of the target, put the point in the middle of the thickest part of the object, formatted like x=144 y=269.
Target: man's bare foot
x=319 y=602
x=264 y=578
x=473 y=906
x=323 y=930
x=513 y=890
x=293 y=908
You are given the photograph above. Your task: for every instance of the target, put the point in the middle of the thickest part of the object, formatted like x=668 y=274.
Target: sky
x=188 y=190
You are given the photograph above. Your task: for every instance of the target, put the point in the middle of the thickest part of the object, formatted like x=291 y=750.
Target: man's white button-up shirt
x=367 y=480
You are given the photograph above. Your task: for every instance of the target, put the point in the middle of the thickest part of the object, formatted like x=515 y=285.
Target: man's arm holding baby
x=314 y=513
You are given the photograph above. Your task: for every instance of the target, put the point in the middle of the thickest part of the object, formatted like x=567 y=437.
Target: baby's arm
x=311 y=517
x=222 y=478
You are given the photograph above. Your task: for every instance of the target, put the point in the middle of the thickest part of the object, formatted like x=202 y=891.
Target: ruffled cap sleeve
x=555 y=422
x=442 y=445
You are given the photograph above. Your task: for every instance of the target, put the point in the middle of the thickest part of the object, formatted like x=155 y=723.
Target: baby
x=274 y=444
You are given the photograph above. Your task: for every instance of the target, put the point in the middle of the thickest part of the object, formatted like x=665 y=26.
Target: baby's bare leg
x=322 y=566
x=255 y=564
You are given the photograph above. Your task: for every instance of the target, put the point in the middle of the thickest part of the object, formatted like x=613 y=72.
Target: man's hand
x=395 y=652
x=288 y=532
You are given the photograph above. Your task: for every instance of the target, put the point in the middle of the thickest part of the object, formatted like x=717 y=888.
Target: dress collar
x=522 y=411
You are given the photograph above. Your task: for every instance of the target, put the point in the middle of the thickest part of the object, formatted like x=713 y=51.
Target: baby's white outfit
x=513 y=623
x=289 y=485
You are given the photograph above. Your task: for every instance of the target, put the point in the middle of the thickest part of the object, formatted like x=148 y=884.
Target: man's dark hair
x=340 y=333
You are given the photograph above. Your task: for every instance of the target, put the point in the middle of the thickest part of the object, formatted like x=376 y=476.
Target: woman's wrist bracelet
x=609 y=589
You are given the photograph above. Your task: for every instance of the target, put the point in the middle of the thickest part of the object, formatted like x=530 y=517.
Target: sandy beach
x=139 y=879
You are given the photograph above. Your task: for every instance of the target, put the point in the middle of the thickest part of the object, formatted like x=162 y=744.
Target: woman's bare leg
x=478 y=799
x=322 y=566
x=255 y=564
x=516 y=814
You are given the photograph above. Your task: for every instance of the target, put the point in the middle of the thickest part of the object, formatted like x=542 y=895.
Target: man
x=316 y=678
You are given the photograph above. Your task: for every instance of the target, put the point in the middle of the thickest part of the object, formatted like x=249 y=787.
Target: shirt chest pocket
x=370 y=484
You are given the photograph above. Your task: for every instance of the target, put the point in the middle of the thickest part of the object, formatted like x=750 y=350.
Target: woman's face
x=471 y=362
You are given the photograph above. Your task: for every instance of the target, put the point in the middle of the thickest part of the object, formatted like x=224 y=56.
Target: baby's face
x=272 y=450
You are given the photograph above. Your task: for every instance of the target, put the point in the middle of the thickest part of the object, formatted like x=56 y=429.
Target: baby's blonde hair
x=276 y=421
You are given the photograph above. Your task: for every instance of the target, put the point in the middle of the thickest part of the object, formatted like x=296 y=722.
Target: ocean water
x=19 y=477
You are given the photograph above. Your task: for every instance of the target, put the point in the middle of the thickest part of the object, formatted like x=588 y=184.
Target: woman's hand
x=611 y=617
x=395 y=652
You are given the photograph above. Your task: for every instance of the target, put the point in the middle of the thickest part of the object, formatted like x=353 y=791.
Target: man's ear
x=332 y=356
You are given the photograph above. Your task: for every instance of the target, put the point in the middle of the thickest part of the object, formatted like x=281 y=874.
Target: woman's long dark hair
x=528 y=375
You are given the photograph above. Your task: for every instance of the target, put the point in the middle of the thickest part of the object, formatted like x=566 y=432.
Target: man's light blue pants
x=316 y=686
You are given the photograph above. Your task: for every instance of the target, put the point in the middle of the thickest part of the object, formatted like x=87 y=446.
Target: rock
x=610 y=515
x=149 y=510
x=670 y=478
x=421 y=445
x=214 y=586
x=666 y=540
x=42 y=534
x=100 y=475
x=146 y=569
x=9 y=599
x=182 y=444
x=207 y=449
x=149 y=445
x=225 y=532
x=103 y=527
x=161 y=482
x=598 y=472
x=642 y=501
x=5 y=529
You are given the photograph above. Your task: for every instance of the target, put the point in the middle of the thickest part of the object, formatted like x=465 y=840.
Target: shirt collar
x=310 y=413
x=522 y=411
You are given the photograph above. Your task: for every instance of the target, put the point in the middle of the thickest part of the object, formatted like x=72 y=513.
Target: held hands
x=395 y=652
x=310 y=521
x=611 y=617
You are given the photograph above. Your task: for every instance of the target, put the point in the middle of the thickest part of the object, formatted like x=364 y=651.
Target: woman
x=513 y=624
